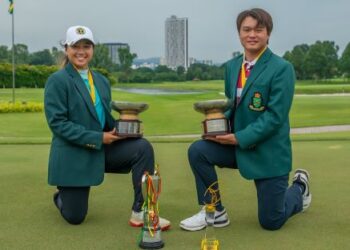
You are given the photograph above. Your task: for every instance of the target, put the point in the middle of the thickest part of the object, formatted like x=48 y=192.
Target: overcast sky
x=42 y=24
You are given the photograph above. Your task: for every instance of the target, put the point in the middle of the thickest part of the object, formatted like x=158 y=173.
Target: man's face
x=252 y=36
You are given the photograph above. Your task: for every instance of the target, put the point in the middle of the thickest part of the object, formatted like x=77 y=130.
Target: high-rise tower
x=176 y=42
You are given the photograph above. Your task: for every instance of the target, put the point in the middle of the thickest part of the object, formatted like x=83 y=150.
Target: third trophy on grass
x=151 y=231
x=209 y=242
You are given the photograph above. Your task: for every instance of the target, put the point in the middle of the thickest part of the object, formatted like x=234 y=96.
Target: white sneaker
x=301 y=176
x=198 y=222
x=136 y=220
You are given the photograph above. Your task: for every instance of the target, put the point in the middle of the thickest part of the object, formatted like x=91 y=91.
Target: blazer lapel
x=84 y=92
x=258 y=68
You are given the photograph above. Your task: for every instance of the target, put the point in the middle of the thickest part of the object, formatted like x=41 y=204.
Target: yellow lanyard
x=92 y=87
x=91 y=84
x=243 y=77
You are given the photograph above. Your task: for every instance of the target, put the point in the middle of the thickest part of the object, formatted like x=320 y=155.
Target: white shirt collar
x=250 y=64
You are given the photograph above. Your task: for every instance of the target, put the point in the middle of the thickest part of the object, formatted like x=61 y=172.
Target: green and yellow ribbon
x=92 y=87
x=11 y=7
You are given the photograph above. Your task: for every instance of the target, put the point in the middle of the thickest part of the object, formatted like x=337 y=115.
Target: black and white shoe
x=302 y=177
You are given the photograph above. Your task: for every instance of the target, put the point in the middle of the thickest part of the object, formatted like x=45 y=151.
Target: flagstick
x=13 y=58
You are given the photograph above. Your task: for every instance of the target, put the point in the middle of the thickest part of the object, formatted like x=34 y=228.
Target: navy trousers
x=135 y=155
x=276 y=202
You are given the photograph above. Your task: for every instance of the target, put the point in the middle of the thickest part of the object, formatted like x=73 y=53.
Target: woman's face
x=80 y=54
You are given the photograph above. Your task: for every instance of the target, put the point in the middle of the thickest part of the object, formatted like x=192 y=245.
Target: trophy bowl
x=215 y=122
x=128 y=124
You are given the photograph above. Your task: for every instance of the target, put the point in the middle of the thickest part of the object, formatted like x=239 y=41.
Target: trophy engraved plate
x=128 y=124
x=151 y=231
x=216 y=125
x=128 y=127
x=215 y=122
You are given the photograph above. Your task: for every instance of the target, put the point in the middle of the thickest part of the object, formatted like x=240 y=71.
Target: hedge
x=21 y=107
x=31 y=76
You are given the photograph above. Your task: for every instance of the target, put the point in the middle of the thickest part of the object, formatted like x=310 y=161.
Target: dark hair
x=262 y=16
x=65 y=59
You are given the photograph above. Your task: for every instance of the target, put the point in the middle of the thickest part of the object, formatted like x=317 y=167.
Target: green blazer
x=77 y=155
x=260 y=121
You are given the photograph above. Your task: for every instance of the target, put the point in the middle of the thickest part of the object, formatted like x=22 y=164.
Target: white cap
x=77 y=33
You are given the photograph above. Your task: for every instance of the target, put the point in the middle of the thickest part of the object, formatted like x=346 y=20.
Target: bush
x=30 y=76
x=105 y=73
x=26 y=75
x=21 y=107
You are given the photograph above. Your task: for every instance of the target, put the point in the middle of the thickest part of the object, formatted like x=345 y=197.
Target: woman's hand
x=110 y=136
x=229 y=139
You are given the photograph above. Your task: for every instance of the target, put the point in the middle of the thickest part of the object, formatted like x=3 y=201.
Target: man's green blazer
x=77 y=156
x=260 y=121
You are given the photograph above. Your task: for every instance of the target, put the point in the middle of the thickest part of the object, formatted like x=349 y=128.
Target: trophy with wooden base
x=128 y=124
x=151 y=230
x=209 y=242
x=215 y=122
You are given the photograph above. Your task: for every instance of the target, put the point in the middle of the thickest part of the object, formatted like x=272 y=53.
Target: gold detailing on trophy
x=209 y=242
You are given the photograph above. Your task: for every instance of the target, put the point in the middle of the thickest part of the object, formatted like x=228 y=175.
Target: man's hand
x=110 y=136
x=228 y=139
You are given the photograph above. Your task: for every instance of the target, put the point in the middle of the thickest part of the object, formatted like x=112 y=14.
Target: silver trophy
x=128 y=124
x=151 y=230
x=215 y=122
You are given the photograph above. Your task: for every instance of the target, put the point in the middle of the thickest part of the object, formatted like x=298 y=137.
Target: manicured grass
x=22 y=94
x=320 y=110
x=322 y=88
x=168 y=114
x=29 y=219
x=301 y=87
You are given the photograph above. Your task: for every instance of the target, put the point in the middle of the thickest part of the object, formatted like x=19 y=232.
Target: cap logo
x=80 y=31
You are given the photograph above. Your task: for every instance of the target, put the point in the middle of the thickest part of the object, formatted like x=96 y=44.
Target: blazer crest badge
x=257 y=102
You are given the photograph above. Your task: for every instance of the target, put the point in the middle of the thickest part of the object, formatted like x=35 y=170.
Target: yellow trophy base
x=210 y=244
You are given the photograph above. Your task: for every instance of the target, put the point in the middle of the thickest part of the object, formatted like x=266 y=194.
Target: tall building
x=113 y=50
x=176 y=42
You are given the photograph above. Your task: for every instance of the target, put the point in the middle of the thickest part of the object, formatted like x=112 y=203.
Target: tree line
x=319 y=61
x=316 y=62
x=101 y=60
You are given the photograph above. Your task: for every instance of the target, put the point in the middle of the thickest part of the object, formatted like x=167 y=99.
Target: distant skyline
x=41 y=24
